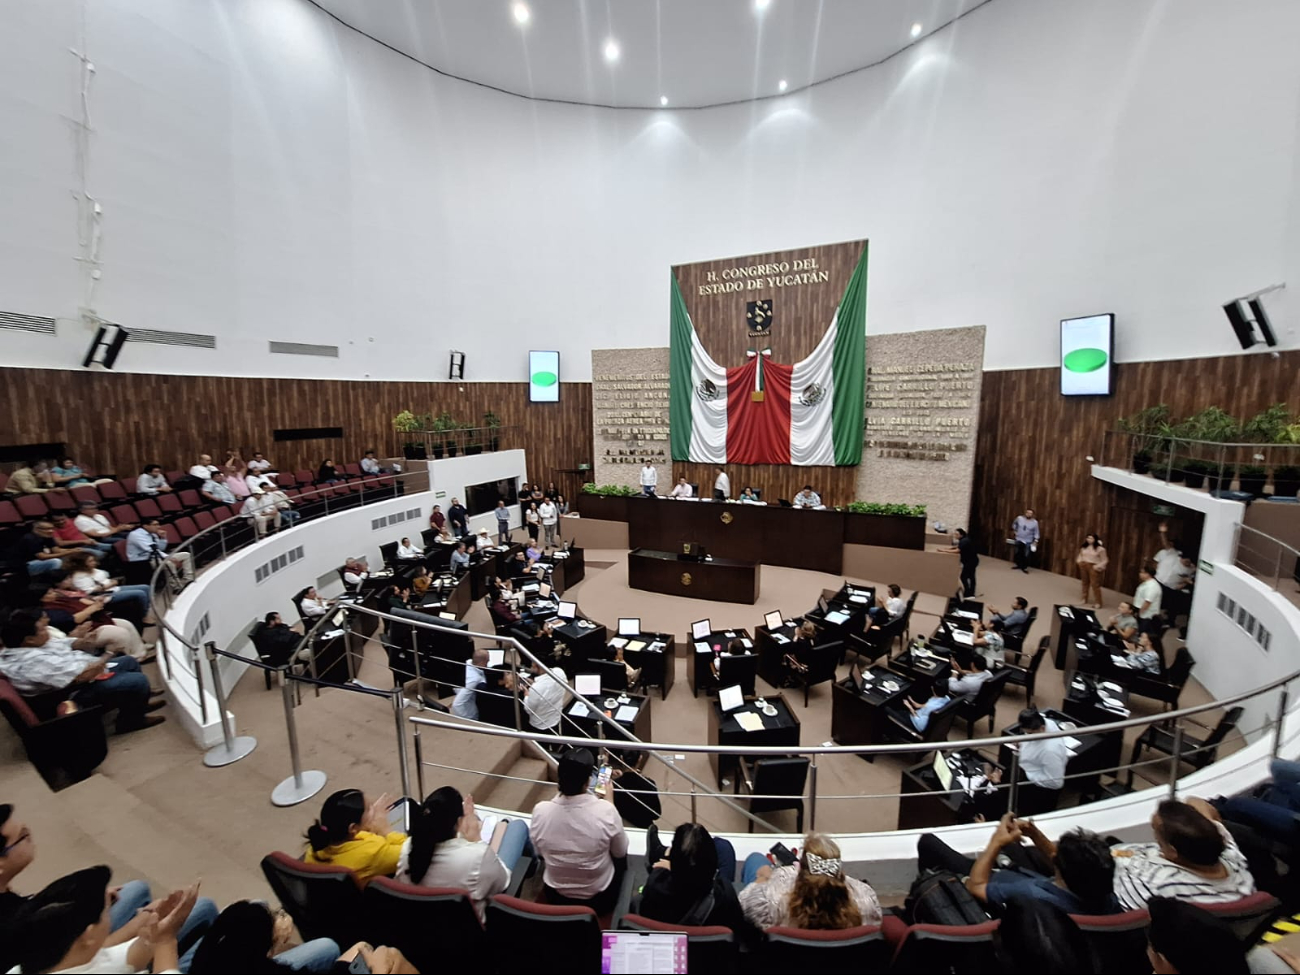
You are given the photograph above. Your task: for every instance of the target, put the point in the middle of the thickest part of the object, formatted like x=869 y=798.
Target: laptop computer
x=544 y=590
x=566 y=610
x=629 y=626
x=730 y=698
x=701 y=629
x=942 y=771
x=643 y=953
x=855 y=676
x=773 y=620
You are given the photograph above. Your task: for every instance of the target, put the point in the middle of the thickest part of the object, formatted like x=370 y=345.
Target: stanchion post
x=419 y=766
x=197 y=667
x=300 y=786
x=1175 y=756
x=415 y=660
x=812 y=794
x=399 y=705
x=514 y=671
x=231 y=749
x=1283 y=701
x=694 y=818
x=1014 y=773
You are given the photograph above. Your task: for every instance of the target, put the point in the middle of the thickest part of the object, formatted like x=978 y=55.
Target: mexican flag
x=764 y=412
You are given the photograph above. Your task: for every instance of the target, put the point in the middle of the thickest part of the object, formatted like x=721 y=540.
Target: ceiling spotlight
x=916 y=30
x=521 y=13
x=761 y=5
x=611 y=50
x=663 y=101
x=781 y=85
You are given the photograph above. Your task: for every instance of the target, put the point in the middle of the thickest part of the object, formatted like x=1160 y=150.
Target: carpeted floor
x=154 y=811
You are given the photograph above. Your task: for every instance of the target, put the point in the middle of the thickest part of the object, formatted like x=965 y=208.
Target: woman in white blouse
x=446 y=848
x=405 y=550
x=311 y=605
x=814 y=894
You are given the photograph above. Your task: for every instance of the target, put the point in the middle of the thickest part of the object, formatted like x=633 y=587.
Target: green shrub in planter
x=1195 y=472
x=1141 y=461
x=610 y=490
x=878 y=508
x=1252 y=479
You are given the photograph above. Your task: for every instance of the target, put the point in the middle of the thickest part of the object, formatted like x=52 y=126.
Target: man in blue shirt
x=1014 y=622
x=938 y=698
x=1076 y=873
x=459 y=558
x=465 y=704
x=503 y=523
x=1025 y=531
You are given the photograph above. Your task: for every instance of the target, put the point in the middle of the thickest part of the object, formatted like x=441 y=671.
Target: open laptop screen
x=567 y=610
x=773 y=620
x=731 y=697
x=643 y=953
x=587 y=685
x=629 y=626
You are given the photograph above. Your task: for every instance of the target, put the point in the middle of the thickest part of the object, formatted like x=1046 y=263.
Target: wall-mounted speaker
x=1250 y=321
x=456 y=368
x=1262 y=322
x=108 y=343
x=1240 y=325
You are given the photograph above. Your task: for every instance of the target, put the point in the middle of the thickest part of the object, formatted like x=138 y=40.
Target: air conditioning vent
x=305 y=348
x=26 y=323
x=191 y=340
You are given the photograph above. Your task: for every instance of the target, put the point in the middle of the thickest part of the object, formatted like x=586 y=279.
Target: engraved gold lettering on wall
x=629 y=413
x=910 y=410
x=763 y=277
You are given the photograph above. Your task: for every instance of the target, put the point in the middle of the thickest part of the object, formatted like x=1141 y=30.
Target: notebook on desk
x=836 y=617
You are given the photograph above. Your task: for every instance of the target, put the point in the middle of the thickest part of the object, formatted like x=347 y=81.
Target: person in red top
x=70 y=536
x=437 y=519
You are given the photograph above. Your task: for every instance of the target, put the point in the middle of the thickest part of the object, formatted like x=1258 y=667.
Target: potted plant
x=1252 y=479
x=1195 y=472
x=473 y=440
x=408 y=422
x=493 y=423
x=445 y=424
x=1220 y=478
x=1268 y=426
x=1286 y=481
x=1214 y=426
x=1143 y=426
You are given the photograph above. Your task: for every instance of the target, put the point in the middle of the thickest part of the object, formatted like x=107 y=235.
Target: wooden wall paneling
x=1033 y=447
x=117 y=422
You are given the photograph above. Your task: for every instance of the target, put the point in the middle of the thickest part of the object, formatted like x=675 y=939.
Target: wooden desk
x=924 y=804
x=699 y=666
x=657 y=666
x=752 y=532
x=1068 y=624
x=772 y=651
x=858 y=717
x=721 y=580
x=589 y=724
x=568 y=571
x=583 y=643
x=781 y=729
x=1084 y=704
x=923 y=671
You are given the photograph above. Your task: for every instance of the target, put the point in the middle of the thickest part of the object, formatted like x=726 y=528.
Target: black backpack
x=940 y=897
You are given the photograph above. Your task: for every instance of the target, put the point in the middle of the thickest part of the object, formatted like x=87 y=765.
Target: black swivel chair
x=781 y=778
x=985 y=703
x=822 y=661
x=899 y=726
x=1024 y=672
x=613 y=675
x=870 y=649
x=1018 y=643
x=1196 y=752
x=739 y=669
x=906 y=635
x=1166 y=687
x=388 y=552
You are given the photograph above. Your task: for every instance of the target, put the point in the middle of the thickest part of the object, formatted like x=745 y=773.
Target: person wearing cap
x=580 y=837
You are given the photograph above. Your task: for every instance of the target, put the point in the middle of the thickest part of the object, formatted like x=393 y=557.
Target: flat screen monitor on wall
x=543 y=377
x=481 y=498
x=1088 y=355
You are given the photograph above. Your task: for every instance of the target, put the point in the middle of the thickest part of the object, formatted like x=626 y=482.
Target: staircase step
x=511 y=794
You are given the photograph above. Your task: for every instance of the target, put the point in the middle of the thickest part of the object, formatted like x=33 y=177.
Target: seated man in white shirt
x=261 y=511
x=1193 y=859
x=204 y=469
x=96 y=526
x=259 y=464
x=807 y=498
x=311 y=605
x=405 y=550
x=355 y=572
x=968 y=681
x=465 y=703
x=148 y=543
x=152 y=482
x=370 y=464
x=288 y=516
x=580 y=837
x=1043 y=765
x=682 y=489
x=215 y=489
x=889 y=607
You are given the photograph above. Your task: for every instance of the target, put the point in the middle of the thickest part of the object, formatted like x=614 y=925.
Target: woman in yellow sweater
x=352 y=834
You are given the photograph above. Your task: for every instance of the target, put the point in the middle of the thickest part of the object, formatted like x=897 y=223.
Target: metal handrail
x=1269 y=559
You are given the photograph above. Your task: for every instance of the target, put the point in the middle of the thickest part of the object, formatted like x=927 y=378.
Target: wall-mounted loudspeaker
x=108 y=342
x=1250 y=321
x=456 y=370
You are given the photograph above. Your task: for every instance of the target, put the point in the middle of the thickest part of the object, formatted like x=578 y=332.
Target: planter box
x=890 y=531
x=608 y=509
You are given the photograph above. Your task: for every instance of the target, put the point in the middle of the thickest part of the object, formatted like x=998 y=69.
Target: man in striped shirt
x=1193 y=859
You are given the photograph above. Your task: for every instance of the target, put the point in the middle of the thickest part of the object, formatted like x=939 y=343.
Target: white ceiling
x=694 y=52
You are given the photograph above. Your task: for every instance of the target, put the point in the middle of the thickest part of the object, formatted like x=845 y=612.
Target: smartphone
x=602 y=780
x=399 y=815
x=781 y=853
x=358 y=965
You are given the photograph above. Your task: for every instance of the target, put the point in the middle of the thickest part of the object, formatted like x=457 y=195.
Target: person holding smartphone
x=354 y=834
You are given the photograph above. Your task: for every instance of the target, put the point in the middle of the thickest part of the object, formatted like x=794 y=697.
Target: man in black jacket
x=274 y=641
x=458 y=518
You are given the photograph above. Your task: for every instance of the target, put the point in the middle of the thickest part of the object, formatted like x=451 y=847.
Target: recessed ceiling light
x=781 y=85
x=916 y=30
x=611 y=50
x=521 y=13
x=663 y=100
x=761 y=5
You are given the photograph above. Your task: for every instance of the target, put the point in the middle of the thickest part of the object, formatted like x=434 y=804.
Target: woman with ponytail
x=355 y=835
x=814 y=894
x=447 y=849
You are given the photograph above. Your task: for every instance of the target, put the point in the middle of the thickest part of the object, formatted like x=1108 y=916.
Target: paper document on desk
x=625 y=712
x=1119 y=661
x=656 y=647
x=747 y=643
x=749 y=721
x=837 y=617
x=579 y=710
x=702 y=647
x=780 y=638
x=636 y=645
x=964 y=637
x=858 y=598
x=1072 y=744
x=965 y=614
x=618 y=643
